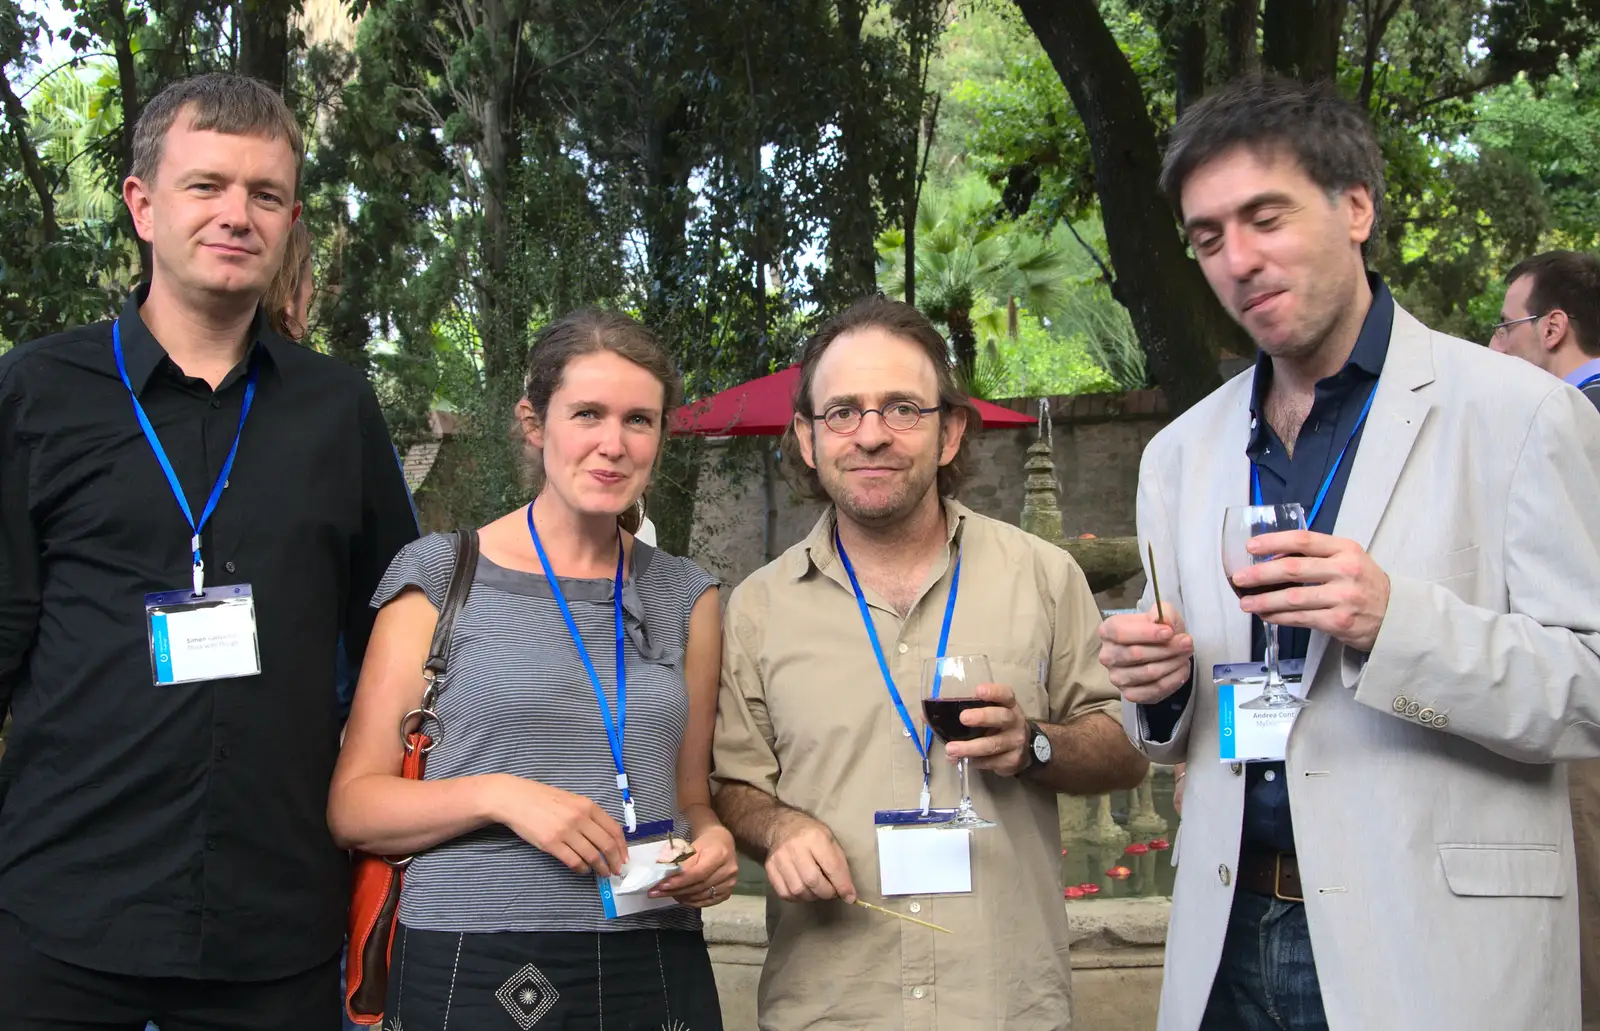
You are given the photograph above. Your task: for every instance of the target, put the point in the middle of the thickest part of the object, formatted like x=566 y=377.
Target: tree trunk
x=1241 y=20
x=32 y=168
x=263 y=27
x=132 y=106
x=502 y=310
x=964 y=341
x=1187 y=46
x=1301 y=38
x=665 y=214
x=852 y=232
x=1179 y=321
x=1375 y=18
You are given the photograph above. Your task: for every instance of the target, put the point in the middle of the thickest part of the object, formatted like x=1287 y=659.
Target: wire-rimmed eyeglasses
x=897 y=415
x=1501 y=327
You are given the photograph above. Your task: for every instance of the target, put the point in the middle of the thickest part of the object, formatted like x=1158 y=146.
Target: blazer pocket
x=1504 y=870
x=1443 y=567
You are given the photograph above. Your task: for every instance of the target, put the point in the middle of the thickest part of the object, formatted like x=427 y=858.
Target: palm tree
x=74 y=112
x=967 y=261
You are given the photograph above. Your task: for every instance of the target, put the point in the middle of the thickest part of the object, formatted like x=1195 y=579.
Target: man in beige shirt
x=810 y=744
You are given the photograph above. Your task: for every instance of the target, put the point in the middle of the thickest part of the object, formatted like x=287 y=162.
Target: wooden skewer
x=1155 y=585
x=901 y=916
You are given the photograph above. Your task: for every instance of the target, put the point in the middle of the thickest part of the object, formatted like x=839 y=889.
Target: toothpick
x=901 y=916
x=1155 y=585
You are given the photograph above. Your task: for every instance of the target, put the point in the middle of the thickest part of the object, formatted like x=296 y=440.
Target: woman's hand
x=708 y=876
x=569 y=827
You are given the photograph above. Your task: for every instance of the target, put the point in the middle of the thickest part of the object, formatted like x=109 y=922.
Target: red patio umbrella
x=763 y=408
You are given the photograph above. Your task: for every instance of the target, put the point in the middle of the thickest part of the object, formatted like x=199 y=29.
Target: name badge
x=209 y=636
x=1250 y=735
x=918 y=856
x=654 y=854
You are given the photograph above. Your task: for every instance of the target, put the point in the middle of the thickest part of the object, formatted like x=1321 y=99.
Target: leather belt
x=1271 y=873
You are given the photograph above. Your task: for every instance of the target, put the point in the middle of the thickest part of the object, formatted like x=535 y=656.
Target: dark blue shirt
x=1333 y=420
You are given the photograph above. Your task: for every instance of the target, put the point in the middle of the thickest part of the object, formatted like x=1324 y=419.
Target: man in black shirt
x=163 y=848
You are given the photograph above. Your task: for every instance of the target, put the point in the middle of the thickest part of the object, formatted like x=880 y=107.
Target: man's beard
x=885 y=510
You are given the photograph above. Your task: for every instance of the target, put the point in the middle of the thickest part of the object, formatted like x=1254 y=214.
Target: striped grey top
x=516 y=699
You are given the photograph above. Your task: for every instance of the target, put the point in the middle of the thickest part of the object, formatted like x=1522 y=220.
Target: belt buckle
x=1277 y=880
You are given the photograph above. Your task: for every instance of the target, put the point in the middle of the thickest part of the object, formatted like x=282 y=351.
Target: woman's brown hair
x=590 y=331
x=285 y=287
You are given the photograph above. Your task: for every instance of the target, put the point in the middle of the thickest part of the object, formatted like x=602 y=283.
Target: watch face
x=1041 y=748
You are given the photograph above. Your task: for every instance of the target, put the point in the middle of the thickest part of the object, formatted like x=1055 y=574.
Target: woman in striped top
x=522 y=810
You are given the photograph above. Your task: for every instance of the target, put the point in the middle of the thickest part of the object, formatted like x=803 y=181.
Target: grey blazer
x=1427 y=778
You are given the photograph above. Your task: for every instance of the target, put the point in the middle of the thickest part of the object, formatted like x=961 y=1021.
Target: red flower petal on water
x=1159 y=844
x=1138 y=848
x=1091 y=889
x=1073 y=893
x=1063 y=851
x=1119 y=872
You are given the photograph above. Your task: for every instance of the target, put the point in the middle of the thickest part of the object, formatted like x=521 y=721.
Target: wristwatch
x=1038 y=749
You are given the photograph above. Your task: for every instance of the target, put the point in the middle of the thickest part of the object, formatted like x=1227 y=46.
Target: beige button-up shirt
x=805 y=715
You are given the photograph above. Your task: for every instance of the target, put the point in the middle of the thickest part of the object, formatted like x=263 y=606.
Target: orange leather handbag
x=375 y=892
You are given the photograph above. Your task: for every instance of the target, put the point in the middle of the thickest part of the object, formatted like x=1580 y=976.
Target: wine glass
x=949 y=688
x=1239 y=524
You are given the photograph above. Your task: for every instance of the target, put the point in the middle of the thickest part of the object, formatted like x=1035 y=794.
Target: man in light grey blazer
x=1408 y=865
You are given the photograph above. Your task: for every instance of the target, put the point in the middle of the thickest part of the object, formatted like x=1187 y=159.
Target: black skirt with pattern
x=544 y=981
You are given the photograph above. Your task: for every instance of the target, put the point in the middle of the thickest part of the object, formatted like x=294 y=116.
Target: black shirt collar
x=144 y=354
x=1364 y=365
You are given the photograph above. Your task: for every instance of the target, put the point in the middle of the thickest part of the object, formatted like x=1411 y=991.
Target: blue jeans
x=1267 y=980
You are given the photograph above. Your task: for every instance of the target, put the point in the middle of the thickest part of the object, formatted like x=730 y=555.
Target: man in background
x=1551 y=318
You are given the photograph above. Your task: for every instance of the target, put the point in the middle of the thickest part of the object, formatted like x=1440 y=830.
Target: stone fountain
x=1106 y=562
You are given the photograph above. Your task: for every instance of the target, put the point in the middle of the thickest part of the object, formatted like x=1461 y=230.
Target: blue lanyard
x=614 y=730
x=1588 y=381
x=166 y=464
x=1322 y=494
x=924 y=743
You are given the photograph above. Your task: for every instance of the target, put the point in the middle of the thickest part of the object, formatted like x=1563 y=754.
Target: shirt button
x=229 y=566
x=916 y=907
x=916 y=993
x=211 y=844
x=222 y=753
x=904 y=732
x=904 y=648
x=215 y=403
x=1236 y=768
x=1270 y=775
x=1224 y=874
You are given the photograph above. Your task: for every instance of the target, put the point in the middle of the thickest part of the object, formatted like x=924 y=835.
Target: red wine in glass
x=949 y=688
x=1245 y=592
x=944 y=716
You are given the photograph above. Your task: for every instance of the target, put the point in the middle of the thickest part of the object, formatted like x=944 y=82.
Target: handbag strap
x=433 y=670
x=418 y=744
x=455 y=599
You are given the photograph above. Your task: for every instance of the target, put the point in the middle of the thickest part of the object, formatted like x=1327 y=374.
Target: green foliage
x=1014 y=123
x=1022 y=309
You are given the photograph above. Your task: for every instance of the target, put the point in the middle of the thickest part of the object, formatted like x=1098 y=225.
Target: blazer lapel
x=1230 y=486
x=1397 y=415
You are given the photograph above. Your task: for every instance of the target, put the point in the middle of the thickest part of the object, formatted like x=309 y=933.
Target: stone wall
x=1096 y=443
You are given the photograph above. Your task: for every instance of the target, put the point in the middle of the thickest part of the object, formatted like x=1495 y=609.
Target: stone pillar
x=1073 y=811
x=1103 y=830
x=1144 y=821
